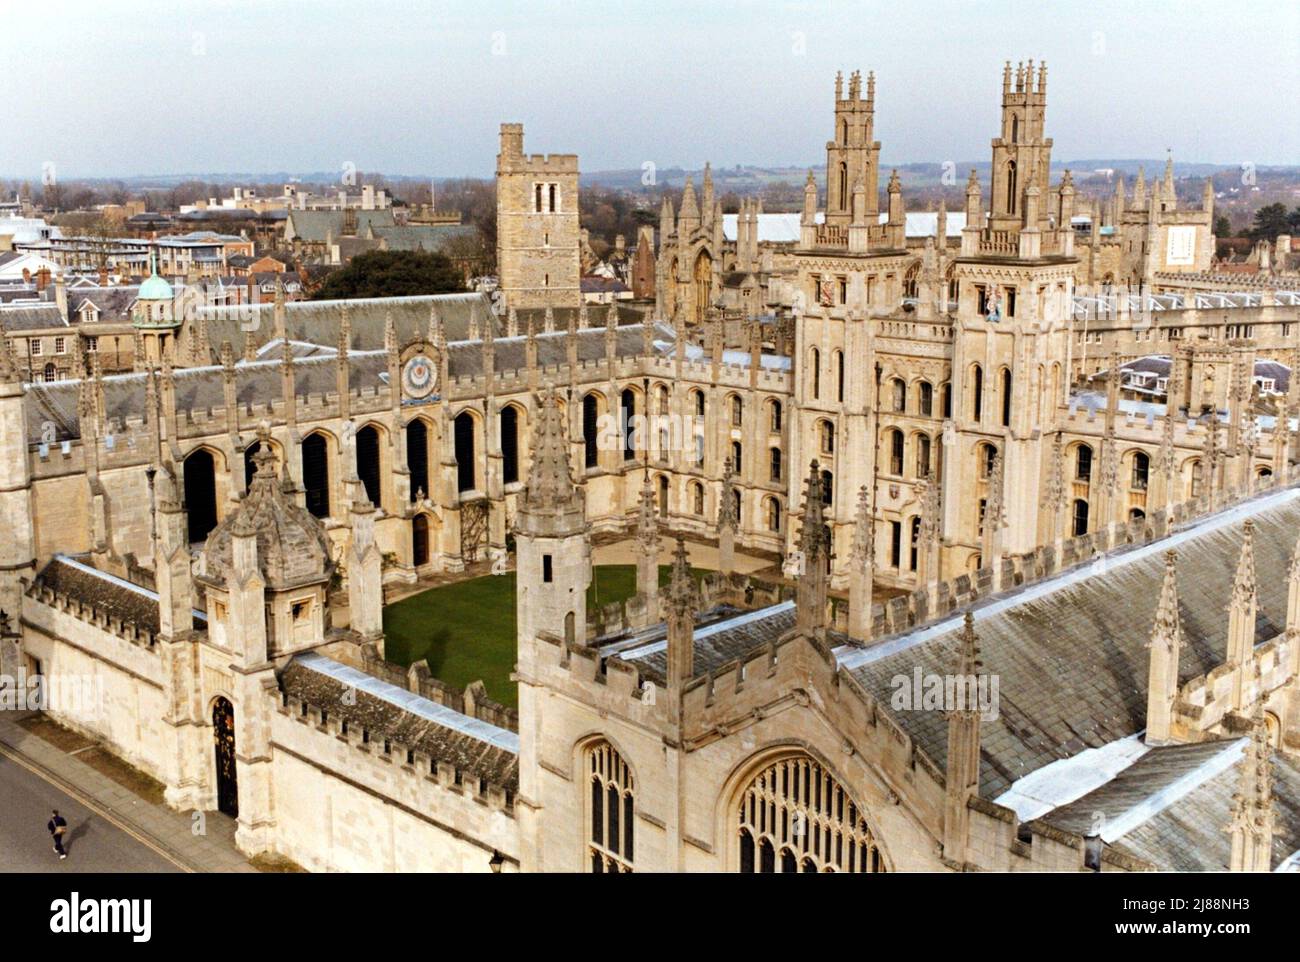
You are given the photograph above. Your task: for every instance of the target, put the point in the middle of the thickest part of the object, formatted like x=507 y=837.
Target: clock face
x=419 y=377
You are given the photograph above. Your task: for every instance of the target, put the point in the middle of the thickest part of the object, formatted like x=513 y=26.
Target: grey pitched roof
x=721 y=635
x=316 y=225
x=425 y=237
x=1070 y=654
x=30 y=317
x=114 y=596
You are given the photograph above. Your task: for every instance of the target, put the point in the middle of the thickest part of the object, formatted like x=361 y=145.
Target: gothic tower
x=1021 y=155
x=538 y=238
x=17 y=547
x=852 y=157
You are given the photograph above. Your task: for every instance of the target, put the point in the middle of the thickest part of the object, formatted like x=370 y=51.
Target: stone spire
x=550 y=489
x=682 y=602
x=647 y=549
x=1251 y=827
x=862 y=571
x=727 y=520
x=961 y=780
x=1241 y=618
x=813 y=545
x=1165 y=647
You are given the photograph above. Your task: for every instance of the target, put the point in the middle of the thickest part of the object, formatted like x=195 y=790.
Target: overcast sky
x=113 y=89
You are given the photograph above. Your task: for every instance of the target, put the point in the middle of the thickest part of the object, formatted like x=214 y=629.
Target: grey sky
x=107 y=89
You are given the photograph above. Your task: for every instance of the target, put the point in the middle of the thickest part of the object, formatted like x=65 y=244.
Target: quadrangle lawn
x=466 y=631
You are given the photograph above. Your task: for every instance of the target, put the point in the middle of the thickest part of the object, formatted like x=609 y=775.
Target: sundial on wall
x=419 y=377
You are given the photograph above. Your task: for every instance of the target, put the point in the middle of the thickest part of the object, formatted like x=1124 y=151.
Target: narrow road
x=93 y=843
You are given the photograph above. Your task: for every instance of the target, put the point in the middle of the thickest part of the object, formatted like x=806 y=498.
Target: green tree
x=1270 y=221
x=392 y=274
x=1222 y=226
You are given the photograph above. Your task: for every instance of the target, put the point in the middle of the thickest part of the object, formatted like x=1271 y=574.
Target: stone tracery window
x=794 y=816
x=610 y=804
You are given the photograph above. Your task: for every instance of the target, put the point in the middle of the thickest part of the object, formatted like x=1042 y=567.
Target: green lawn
x=466 y=631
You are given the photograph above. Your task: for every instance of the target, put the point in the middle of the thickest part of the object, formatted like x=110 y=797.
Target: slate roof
x=386 y=720
x=30 y=317
x=315 y=225
x=425 y=237
x=133 y=605
x=1070 y=654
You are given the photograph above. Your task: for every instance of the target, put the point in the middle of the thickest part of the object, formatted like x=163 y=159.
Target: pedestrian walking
x=58 y=827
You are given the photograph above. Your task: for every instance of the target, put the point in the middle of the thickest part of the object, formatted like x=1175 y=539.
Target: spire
x=550 y=482
x=1165 y=646
x=682 y=602
x=1251 y=826
x=961 y=780
x=726 y=498
x=689 y=211
x=863 y=569
x=814 y=547
x=1241 y=619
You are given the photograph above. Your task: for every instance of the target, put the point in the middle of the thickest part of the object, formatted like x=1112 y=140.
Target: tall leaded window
x=610 y=802
x=795 y=817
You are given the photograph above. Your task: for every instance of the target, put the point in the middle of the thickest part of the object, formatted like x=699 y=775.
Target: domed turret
x=292 y=546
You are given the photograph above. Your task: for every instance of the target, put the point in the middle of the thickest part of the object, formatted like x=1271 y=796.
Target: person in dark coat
x=58 y=827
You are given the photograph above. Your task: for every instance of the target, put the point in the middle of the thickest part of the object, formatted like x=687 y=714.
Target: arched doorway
x=223 y=734
x=200 y=494
x=420 y=540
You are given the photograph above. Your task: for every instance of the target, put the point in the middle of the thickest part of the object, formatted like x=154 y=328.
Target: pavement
x=110 y=827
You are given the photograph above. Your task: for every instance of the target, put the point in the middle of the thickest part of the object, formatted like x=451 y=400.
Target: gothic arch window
x=828 y=482
x=774 y=416
x=663 y=495
x=898 y=390
x=1080 y=517
x=910 y=280
x=1083 y=463
x=774 y=463
x=737 y=506
x=986 y=454
x=703 y=277
x=1196 y=478
x=773 y=512
x=1141 y=470
x=1015 y=129
x=590 y=423
x=839 y=375
x=794 y=816
x=844 y=186
x=977 y=393
x=914 y=539
x=896 y=445
x=737 y=411
x=826 y=432
x=200 y=494
x=1006 y=397
x=697 y=497
x=627 y=409
x=925 y=398
x=509 y=424
x=946 y=392
x=316 y=474
x=1011 y=187
x=611 y=802
x=466 y=473
x=922 y=455
x=699 y=403
x=736 y=452
x=417 y=457
x=367 y=452
x=815 y=368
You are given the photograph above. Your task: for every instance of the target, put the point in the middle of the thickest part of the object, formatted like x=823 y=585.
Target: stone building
x=903 y=427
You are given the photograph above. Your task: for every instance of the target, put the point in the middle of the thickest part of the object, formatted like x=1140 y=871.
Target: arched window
x=50 y=374
x=200 y=494
x=839 y=375
x=509 y=423
x=699 y=403
x=736 y=452
x=815 y=369
x=914 y=538
x=1141 y=470
x=663 y=496
x=828 y=483
x=774 y=409
x=794 y=816
x=827 y=432
x=627 y=408
x=417 y=457
x=316 y=474
x=465 y=455
x=367 y=445
x=898 y=388
x=773 y=515
x=844 y=186
x=977 y=393
x=1083 y=463
x=925 y=398
x=895 y=544
x=590 y=420
x=1011 y=187
x=1197 y=477
x=697 y=497
x=896 y=452
x=947 y=400
x=987 y=454
x=610 y=807
x=1080 y=517
x=1006 y=397
x=922 y=455
x=737 y=411
x=774 y=460
x=737 y=505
